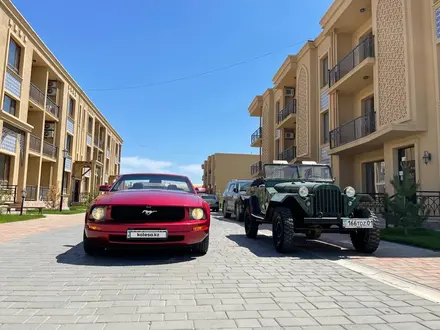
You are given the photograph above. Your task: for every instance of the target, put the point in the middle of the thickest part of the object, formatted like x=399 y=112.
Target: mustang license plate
x=357 y=223
x=147 y=234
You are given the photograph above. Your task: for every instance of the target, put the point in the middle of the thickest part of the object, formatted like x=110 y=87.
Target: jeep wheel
x=283 y=230
x=366 y=240
x=238 y=215
x=226 y=214
x=250 y=225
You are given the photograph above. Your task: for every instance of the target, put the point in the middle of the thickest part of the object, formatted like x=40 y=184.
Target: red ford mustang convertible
x=148 y=210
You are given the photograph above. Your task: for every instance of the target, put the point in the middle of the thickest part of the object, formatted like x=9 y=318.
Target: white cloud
x=142 y=165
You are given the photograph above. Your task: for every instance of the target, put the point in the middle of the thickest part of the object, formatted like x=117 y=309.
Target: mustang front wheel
x=89 y=247
x=202 y=247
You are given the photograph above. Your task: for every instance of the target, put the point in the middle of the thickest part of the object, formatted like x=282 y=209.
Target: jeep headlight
x=303 y=191
x=98 y=213
x=350 y=191
x=197 y=214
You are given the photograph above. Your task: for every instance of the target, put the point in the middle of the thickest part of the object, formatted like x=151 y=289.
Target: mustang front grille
x=328 y=201
x=141 y=214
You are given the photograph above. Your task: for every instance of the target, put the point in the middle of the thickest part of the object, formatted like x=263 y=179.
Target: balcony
x=355 y=70
x=256 y=168
x=353 y=130
x=256 y=138
x=256 y=107
x=52 y=108
x=49 y=150
x=288 y=154
x=286 y=117
x=35 y=144
x=13 y=82
x=70 y=125
x=89 y=139
x=36 y=95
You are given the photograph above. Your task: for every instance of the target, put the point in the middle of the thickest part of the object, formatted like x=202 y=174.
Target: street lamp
x=23 y=197
x=65 y=154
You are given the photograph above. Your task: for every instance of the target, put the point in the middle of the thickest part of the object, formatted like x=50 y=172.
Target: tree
x=53 y=197
x=405 y=209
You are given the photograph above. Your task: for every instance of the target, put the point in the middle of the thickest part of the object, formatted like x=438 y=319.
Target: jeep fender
x=253 y=204
x=297 y=206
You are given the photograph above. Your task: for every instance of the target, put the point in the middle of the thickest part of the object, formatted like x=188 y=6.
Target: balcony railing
x=256 y=168
x=353 y=130
x=36 y=95
x=8 y=193
x=256 y=135
x=362 y=51
x=68 y=163
x=70 y=125
x=49 y=149
x=289 y=109
x=52 y=107
x=34 y=143
x=44 y=191
x=13 y=82
x=288 y=154
x=31 y=192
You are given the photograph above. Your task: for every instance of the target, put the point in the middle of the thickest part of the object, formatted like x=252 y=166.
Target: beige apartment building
x=220 y=168
x=364 y=96
x=47 y=120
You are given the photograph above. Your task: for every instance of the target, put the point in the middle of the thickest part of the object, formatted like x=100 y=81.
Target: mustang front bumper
x=164 y=233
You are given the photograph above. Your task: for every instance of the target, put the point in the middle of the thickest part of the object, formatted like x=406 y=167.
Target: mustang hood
x=151 y=197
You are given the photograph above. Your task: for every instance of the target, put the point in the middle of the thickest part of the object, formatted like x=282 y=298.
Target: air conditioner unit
x=289 y=135
x=49 y=133
x=49 y=125
x=52 y=84
x=51 y=91
x=289 y=92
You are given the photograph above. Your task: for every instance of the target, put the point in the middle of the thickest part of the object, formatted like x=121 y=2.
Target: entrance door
x=76 y=191
x=406 y=157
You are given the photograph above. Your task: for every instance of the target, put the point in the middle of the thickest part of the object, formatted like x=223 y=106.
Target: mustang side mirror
x=235 y=190
x=104 y=188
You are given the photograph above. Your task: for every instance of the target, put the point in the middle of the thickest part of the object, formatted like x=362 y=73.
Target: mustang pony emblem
x=148 y=212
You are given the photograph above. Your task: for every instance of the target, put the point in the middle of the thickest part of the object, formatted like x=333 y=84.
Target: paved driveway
x=46 y=282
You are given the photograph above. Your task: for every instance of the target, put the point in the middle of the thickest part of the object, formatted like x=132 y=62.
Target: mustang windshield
x=153 y=181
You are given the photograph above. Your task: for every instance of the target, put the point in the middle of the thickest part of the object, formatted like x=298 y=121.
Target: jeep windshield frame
x=298 y=172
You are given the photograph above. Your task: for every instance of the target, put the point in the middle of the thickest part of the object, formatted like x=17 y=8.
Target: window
x=71 y=108
x=325 y=127
x=9 y=105
x=277 y=107
x=5 y=165
x=374 y=177
x=69 y=144
x=90 y=125
x=231 y=187
x=437 y=22
x=324 y=71
x=14 y=56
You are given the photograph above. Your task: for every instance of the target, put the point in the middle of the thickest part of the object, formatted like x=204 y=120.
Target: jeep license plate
x=357 y=223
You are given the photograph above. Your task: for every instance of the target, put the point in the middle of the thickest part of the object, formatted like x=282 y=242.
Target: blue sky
x=174 y=126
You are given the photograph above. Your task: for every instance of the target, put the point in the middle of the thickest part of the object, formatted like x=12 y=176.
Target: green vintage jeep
x=303 y=198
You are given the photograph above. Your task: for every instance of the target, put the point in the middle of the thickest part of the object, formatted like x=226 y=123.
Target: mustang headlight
x=303 y=191
x=350 y=191
x=98 y=213
x=197 y=214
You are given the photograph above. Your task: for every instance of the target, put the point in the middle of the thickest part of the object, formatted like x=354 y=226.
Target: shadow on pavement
x=125 y=257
